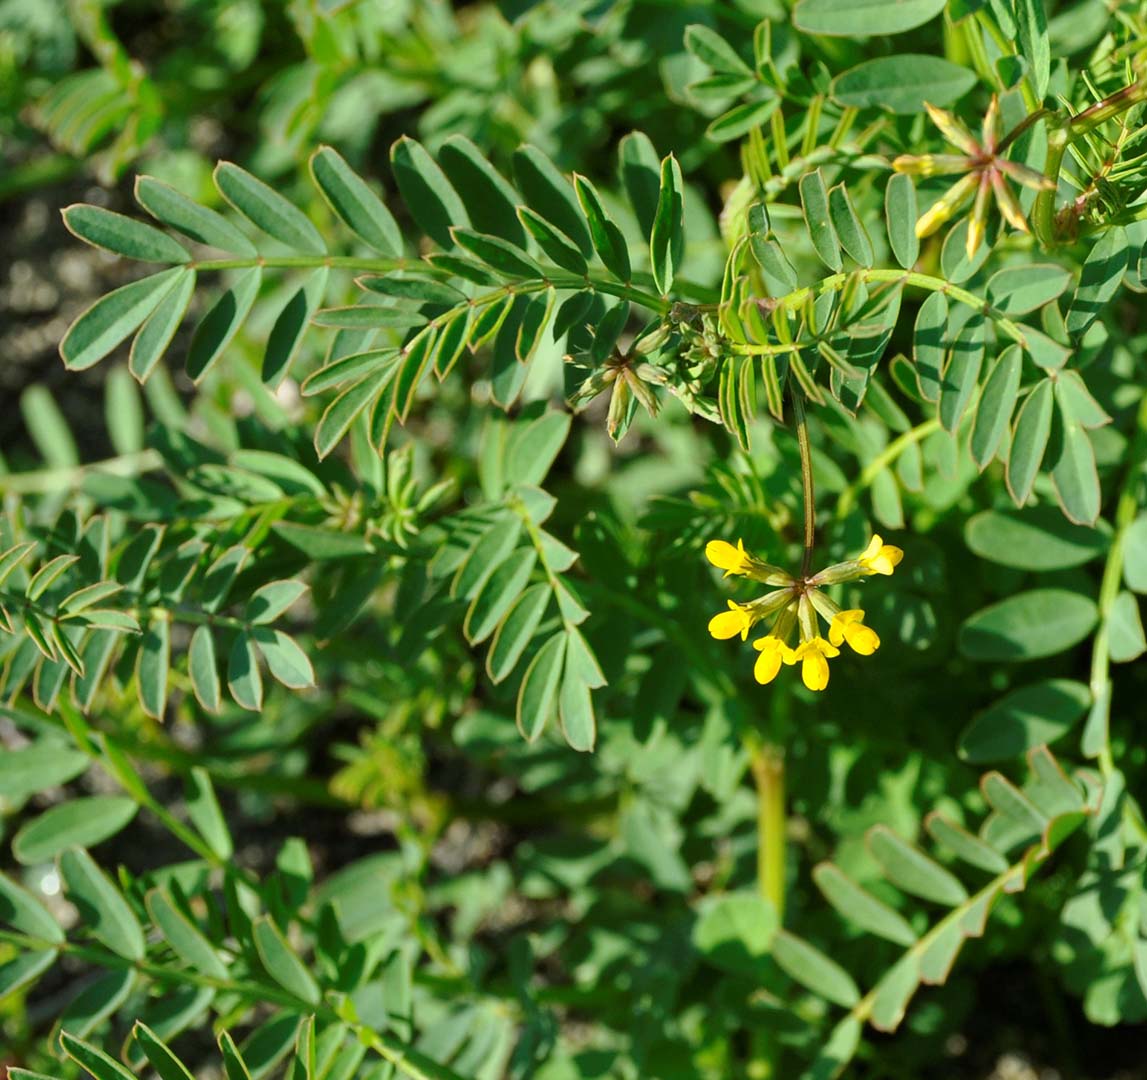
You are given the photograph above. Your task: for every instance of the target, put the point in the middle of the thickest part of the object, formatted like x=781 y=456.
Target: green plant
x=341 y=546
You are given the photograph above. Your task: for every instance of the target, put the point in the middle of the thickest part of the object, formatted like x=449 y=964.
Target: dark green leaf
x=900 y=214
x=112 y=318
x=608 y=241
x=1024 y=719
x=351 y=198
x=1041 y=622
x=265 y=208
x=902 y=83
x=538 y=693
x=814 y=203
x=123 y=235
x=1029 y=440
x=222 y=321
x=185 y=215
x=282 y=963
x=104 y=910
x=844 y=18
x=429 y=196
x=488 y=197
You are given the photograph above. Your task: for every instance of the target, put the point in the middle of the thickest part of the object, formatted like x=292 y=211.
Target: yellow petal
x=722 y=554
x=873 y=549
x=767 y=666
x=953 y=130
x=1009 y=206
x=728 y=624
x=978 y=221
x=814 y=670
x=944 y=207
x=887 y=560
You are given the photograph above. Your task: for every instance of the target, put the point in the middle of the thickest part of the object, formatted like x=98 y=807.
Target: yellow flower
x=773 y=650
x=728 y=624
x=736 y=560
x=814 y=656
x=879 y=557
x=733 y=560
x=986 y=172
x=849 y=626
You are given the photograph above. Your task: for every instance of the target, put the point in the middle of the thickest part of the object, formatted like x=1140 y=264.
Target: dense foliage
x=371 y=703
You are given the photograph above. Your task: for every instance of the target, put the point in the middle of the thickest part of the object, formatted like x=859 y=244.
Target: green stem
x=1097 y=733
x=551 y=276
x=795 y=300
x=768 y=764
x=1062 y=132
x=882 y=460
x=801 y=422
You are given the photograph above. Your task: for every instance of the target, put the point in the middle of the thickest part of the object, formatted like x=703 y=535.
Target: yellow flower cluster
x=984 y=172
x=798 y=604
